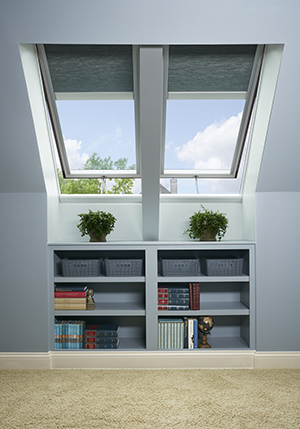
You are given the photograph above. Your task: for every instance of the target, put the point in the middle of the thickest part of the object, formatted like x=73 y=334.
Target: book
x=190 y=333
x=102 y=346
x=169 y=301
x=191 y=296
x=195 y=333
x=69 y=300
x=101 y=330
x=74 y=306
x=194 y=289
x=68 y=294
x=185 y=336
x=172 y=295
x=173 y=307
x=99 y=340
x=196 y=296
x=173 y=289
x=70 y=288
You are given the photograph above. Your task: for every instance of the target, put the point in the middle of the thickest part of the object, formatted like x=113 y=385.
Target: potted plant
x=96 y=224
x=207 y=225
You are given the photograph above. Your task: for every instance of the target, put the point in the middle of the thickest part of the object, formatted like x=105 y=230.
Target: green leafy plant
x=207 y=220
x=96 y=224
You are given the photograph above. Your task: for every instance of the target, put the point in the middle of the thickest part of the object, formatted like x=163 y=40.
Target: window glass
x=98 y=134
x=201 y=134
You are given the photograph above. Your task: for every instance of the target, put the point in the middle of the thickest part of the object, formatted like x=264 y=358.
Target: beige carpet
x=150 y=399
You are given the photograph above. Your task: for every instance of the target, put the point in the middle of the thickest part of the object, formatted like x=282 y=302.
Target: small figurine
x=90 y=305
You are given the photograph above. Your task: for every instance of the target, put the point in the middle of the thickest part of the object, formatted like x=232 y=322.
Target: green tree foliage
x=96 y=186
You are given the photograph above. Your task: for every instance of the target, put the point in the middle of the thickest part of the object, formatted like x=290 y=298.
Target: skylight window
x=211 y=94
x=100 y=105
x=90 y=96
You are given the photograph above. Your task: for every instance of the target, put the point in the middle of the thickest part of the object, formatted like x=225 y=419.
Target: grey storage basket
x=81 y=267
x=222 y=267
x=180 y=267
x=123 y=267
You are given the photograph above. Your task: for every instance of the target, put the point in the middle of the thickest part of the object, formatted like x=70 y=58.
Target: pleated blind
x=210 y=67
x=90 y=68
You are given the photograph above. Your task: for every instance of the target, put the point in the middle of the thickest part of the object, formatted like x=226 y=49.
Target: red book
x=163 y=295
x=196 y=296
x=69 y=294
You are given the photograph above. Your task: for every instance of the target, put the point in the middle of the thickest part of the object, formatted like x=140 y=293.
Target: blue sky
x=200 y=134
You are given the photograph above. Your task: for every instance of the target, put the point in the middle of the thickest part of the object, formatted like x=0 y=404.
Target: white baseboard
x=209 y=359
x=25 y=360
x=277 y=360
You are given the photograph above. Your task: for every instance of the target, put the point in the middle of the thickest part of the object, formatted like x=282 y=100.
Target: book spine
x=196 y=296
x=174 y=295
x=173 y=290
x=191 y=296
x=102 y=346
x=181 y=340
x=101 y=334
x=70 y=306
x=191 y=334
x=69 y=300
x=165 y=335
x=69 y=294
x=195 y=333
x=99 y=340
x=73 y=288
x=173 y=307
x=174 y=301
x=185 y=332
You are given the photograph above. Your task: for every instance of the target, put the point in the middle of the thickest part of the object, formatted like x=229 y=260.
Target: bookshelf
x=131 y=301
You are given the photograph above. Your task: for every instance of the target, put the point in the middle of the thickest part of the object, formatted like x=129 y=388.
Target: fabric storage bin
x=81 y=267
x=222 y=267
x=180 y=267
x=123 y=267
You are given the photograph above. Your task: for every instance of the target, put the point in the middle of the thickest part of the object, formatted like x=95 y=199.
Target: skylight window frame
x=51 y=97
x=249 y=97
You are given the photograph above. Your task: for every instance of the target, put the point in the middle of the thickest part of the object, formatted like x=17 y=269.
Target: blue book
x=173 y=307
x=70 y=288
x=195 y=334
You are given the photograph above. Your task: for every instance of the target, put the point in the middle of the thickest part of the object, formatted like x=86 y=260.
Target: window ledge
x=137 y=199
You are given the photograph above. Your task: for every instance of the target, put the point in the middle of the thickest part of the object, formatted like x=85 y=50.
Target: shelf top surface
x=158 y=244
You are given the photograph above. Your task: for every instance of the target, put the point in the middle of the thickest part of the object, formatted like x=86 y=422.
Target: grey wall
x=278 y=271
x=23 y=272
x=142 y=22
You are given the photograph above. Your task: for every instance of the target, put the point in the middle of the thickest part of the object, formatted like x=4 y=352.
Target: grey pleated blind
x=90 y=68
x=210 y=67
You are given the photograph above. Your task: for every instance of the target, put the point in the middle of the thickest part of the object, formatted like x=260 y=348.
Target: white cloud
x=212 y=148
x=169 y=145
x=76 y=161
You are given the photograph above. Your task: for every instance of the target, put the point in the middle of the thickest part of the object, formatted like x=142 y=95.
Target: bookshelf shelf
x=99 y=279
x=131 y=301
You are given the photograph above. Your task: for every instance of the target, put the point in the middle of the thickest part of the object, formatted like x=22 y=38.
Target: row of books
x=74 y=334
x=101 y=337
x=178 y=333
x=179 y=298
x=68 y=334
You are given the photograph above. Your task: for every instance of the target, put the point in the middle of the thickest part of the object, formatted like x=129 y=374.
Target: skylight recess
x=90 y=95
x=211 y=93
